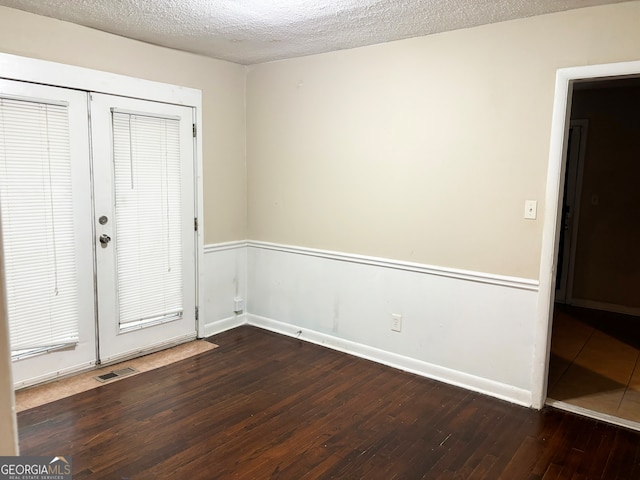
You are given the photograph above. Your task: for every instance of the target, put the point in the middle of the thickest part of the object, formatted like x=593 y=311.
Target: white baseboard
x=228 y=323
x=607 y=307
x=435 y=372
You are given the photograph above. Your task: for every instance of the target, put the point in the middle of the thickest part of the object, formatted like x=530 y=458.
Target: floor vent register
x=123 y=372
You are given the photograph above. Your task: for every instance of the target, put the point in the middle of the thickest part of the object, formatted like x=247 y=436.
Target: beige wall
x=607 y=261
x=424 y=149
x=223 y=96
x=421 y=150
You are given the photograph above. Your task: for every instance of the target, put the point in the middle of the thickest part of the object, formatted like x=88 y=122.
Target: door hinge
x=195 y=130
x=197 y=313
x=195 y=224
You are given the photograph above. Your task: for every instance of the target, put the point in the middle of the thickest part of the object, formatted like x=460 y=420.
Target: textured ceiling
x=255 y=31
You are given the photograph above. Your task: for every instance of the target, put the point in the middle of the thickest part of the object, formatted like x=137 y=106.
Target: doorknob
x=104 y=240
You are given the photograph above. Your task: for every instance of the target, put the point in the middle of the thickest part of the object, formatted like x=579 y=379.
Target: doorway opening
x=594 y=358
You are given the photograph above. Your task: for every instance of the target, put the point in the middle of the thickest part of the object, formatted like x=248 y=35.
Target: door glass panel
x=147 y=174
x=38 y=224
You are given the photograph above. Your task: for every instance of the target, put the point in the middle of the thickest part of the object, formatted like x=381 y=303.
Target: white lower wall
x=469 y=329
x=225 y=278
x=465 y=328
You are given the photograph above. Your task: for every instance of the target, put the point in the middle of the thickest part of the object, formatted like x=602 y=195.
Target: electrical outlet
x=396 y=322
x=238 y=304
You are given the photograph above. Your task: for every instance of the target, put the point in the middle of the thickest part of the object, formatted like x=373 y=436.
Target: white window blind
x=148 y=217
x=38 y=224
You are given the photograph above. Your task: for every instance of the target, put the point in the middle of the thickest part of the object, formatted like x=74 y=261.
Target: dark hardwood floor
x=267 y=406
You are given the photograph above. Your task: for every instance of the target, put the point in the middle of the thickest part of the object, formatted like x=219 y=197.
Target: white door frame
x=565 y=78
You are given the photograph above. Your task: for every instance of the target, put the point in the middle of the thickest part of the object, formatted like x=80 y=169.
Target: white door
x=570 y=210
x=45 y=196
x=143 y=168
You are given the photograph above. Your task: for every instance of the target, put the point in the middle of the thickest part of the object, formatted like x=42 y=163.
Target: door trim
x=565 y=78
x=14 y=67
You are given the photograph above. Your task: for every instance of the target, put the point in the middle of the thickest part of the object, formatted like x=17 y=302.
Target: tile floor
x=595 y=361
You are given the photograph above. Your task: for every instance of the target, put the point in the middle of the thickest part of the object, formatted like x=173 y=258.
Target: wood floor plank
x=266 y=406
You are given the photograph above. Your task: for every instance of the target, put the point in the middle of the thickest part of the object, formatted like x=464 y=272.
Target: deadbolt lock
x=104 y=240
